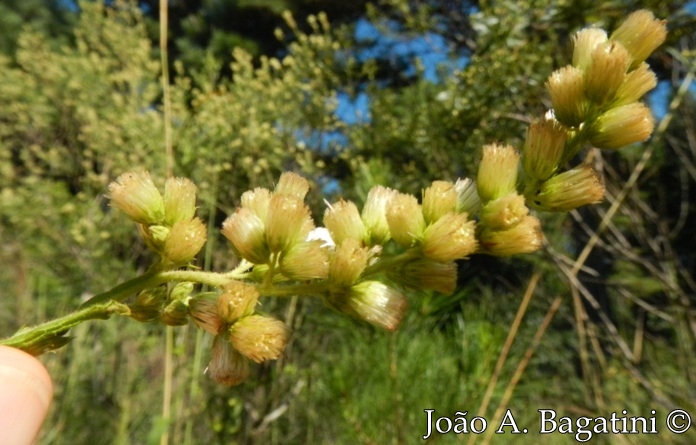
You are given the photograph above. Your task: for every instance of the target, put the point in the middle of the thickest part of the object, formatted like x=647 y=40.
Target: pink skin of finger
x=25 y=396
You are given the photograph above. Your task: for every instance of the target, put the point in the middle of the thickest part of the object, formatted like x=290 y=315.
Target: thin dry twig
x=512 y=333
x=523 y=365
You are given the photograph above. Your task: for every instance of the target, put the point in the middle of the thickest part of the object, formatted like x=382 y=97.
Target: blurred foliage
x=80 y=102
x=203 y=27
x=49 y=16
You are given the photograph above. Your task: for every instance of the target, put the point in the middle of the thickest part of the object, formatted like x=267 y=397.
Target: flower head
x=374 y=214
x=305 y=261
x=543 y=148
x=258 y=201
x=635 y=85
x=497 y=173
x=204 y=312
x=504 y=213
x=405 y=219
x=524 y=237
x=569 y=190
x=227 y=366
x=293 y=185
x=287 y=223
x=425 y=274
x=566 y=87
x=640 y=34
x=372 y=301
x=347 y=263
x=259 y=338
x=468 y=200
x=584 y=43
x=179 y=200
x=606 y=72
x=439 y=199
x=622 y=126
x=449 y=238
x=343 y=221
x=135 y=194
x=185 y=240
x=237 y=300
x=247 y=232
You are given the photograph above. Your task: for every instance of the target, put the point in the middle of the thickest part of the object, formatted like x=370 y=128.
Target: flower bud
x=259 y=338
x=622 y=126
x=342 y=219
x=348 y=263
x=566 y=88
x=543 y=148
x=374 y=302
x=247 y=232
x=185 y=240
x=154 y=236
x=635 y=85
x=606 y=72
x=175 y=313
x=148 y=304
x=584 y=43
x=237 y=300
x=305 y=261
x=570 y=190
x=293 y=185
x=438 y=199
x=258 y=201
x=179 y=200
x=288 y=222
x=497 y=173
x=181 y=291
x=504 y=213
x=425 y=274
x=525 y=237
x=203 y=310
x=135 y=194
x=374 y=214
x=227 y=366
x=468 y=200
x=641 y=34
x=449 y=238
x=405 y=219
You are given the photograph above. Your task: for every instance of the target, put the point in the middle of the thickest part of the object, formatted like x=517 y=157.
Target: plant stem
x=290 y=290
x=389 y=263
x=149 y=279
x=51 y=335
x=155 y=278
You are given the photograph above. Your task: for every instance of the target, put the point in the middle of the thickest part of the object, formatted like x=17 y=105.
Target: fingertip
x=26 y=391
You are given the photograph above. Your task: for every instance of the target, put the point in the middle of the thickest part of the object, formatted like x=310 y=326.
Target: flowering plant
x=361 y=262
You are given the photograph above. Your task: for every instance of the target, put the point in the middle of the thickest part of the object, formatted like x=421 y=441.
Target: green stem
x=578 y=140
x=51 y=335
x=212 y=279
x=388 y=263
x=149 y=279
x=155 y=277
x=290 y=290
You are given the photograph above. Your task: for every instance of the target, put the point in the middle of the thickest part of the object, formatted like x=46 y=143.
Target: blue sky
x=430 y=49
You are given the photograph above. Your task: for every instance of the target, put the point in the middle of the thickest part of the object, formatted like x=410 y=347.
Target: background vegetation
x=349 y=99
